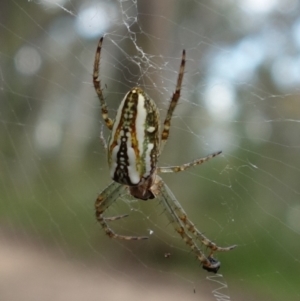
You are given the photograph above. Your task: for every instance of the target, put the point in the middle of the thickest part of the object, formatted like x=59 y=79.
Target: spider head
x=143 y=191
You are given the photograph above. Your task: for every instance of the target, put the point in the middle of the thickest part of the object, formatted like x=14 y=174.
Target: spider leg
x=187 y=165
x=105 y=199
x=182 y=216
x=97 y=85
x=165 y=195
x=180 y=213
x=192 y=228
x=173 y=103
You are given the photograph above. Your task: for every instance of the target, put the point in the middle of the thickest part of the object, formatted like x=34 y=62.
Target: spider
x=133 y=149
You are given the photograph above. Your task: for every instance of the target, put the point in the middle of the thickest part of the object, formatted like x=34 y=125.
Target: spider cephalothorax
x=133 y=149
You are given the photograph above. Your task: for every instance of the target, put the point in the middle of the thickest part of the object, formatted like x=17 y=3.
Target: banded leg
x=173 y=103
x=192 y=228
x=105 y=199
x=165 y=195
x=187 y=165
x=97 y=85
x=182 y=216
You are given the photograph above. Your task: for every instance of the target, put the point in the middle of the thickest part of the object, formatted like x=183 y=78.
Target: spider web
x=240 y=95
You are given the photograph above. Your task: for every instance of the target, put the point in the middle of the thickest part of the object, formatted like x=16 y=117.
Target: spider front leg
x=165 y=195
x=105 y=199
x=97 y=85
x=173 y=104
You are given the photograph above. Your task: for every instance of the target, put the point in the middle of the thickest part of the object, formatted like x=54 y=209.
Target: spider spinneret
x=133 y=150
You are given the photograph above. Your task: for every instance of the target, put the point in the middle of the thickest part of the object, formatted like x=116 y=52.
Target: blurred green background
x=240 y=95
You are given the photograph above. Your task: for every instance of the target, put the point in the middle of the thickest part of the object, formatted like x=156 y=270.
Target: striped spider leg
x=178 y=218
x=133 y=149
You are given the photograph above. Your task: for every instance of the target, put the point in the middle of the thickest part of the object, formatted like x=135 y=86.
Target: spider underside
x=133 y=150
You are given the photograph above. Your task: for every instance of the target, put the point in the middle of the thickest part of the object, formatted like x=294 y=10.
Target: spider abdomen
x=133 y=147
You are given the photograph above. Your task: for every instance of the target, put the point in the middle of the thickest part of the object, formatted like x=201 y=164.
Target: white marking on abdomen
x=133 y=173
x=140 y=124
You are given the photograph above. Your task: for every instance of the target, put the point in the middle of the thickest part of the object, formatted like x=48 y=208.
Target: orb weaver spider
x=133 y=149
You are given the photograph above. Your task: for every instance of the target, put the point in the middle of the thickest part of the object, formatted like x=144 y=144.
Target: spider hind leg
x=185 y=228
x=106 y=199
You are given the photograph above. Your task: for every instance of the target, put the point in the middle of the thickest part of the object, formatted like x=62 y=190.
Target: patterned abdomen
x=133 y=147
